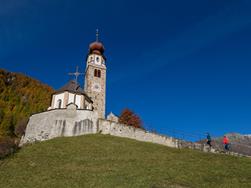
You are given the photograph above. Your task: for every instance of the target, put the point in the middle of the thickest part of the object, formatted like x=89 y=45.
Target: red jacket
x=225 y=140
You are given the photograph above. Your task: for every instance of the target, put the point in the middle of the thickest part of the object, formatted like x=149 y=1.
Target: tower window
x=97 y=73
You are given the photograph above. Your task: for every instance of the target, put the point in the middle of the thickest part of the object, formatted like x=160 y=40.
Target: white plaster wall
x=60 y=122
x=78 y=100
x=71 y=98
x=116 y=129
x=57 y=97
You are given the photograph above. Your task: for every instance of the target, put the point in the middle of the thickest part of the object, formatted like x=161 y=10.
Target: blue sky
x=181 y=65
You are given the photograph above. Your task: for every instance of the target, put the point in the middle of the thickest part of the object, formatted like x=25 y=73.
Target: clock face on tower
x=96 y=87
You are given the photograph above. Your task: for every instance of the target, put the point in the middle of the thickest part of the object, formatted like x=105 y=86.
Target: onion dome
x=96 y=47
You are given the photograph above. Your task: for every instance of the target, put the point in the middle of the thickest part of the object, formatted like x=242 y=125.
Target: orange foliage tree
x=129 y=118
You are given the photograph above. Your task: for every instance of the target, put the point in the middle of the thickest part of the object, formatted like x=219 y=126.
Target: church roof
x=73 y=87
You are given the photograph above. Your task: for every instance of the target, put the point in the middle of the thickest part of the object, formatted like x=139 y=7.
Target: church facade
x=71 y=93
x=92 y=97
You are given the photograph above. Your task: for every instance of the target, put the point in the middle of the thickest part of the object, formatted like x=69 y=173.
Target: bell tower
x=95 y=76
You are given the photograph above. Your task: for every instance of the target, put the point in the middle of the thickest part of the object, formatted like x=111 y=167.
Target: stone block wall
x=116 y=129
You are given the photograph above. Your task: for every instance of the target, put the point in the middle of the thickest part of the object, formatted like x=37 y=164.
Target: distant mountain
x=238 y=143
x=248 y=135
x=20 y=96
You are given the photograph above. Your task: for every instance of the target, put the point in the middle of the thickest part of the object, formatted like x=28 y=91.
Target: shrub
x=7 y=146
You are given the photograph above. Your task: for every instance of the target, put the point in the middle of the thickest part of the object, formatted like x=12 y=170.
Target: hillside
x=20 y=96
x=107 y=161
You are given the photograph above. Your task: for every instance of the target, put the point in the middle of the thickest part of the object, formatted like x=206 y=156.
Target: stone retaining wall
x=60 y=122
x=73 y=122
x=116 y=129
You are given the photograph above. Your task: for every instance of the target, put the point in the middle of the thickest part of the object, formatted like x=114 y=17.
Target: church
x=75 y=110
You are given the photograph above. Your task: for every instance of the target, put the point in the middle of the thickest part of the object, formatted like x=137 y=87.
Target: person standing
x=226 y=143
x=209 y=140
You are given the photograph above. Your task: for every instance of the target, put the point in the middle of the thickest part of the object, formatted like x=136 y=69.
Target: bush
x=7 y=146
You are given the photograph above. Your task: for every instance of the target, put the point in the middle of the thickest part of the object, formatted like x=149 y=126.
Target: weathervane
x=97 y=34
x=76 y=74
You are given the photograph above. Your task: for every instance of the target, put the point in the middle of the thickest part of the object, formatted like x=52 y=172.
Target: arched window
x=97 y=73
x=59 y=103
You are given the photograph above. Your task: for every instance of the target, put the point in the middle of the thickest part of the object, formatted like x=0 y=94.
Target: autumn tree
x=129 y=118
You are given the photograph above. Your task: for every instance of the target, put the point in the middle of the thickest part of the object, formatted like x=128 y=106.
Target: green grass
x=107 y=161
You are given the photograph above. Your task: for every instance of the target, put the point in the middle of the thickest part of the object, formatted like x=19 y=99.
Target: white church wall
x=60 y=122
x=71 y=98
x=78 y=101
x=57 y=98
x=116 y=129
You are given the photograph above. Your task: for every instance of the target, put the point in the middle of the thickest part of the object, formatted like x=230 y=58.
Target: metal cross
x=76 y=74
x=97 y=34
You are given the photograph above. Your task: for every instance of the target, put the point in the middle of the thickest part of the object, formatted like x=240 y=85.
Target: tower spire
x=97 y=35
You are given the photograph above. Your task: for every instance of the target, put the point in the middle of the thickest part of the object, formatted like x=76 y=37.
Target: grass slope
x=107 y=161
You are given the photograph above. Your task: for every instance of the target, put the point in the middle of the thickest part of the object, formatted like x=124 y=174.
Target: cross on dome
x=97 y=35
x=76 y=74
x=97 y=47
